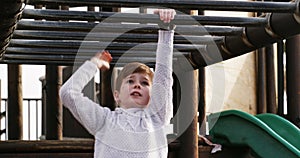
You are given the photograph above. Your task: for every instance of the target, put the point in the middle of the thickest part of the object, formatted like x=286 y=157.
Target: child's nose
x=137 y=85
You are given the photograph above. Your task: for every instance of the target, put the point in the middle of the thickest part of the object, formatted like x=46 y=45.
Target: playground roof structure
x=52 y=36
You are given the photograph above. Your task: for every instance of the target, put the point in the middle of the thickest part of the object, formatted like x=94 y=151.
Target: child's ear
x=116 y=96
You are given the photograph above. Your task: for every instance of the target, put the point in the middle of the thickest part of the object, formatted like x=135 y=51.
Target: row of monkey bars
x=61 y=32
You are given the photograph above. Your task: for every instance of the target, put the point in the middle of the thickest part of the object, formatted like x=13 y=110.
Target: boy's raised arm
x=161 y=97
x=86 y=111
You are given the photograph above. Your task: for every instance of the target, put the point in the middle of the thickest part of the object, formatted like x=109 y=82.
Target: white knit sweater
x=126 y=133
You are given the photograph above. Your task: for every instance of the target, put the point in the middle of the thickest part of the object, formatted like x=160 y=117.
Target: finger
x=173 y=13
x=156 y=11
x=162 y=14
x=170 y=15
x=167 y=16
x=98 y=55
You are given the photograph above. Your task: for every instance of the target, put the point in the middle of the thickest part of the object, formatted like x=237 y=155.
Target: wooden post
x=53 y=103
x=15 y=103
x=202 y=102
x=106 y=94
x=189 y=83
x=188 y=114
x=293 y=77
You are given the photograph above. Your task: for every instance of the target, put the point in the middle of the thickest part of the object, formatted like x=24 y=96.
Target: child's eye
x=130 y=81
x=145 y=83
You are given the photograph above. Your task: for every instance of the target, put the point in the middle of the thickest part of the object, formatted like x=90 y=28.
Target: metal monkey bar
x=190 y=4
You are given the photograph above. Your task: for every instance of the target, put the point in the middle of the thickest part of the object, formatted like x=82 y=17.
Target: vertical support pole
x=270 y=71
x=189 y=82
x=280 y=76
x=266 y=93
x=202 y=102
x=15 y=103
x=106 y=94
x=53 y=103
x=202 y=89
x=176 y=103
x=293 y=77
x=43 y=82
x=261 y=82
x=189 y=99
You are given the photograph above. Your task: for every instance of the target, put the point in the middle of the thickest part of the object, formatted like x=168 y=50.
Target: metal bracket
x=224 y=48
x=297 y=13
x=269 y=29
x=245 y=39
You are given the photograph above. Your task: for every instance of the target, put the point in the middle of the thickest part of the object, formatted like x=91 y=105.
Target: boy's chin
x=141 y=106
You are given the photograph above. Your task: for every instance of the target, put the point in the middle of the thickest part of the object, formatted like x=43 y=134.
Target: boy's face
x=134 y=91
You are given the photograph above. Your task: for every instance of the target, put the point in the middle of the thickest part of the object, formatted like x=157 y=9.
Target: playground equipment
x=268 y=135
x=240 y=35
x=52 y=37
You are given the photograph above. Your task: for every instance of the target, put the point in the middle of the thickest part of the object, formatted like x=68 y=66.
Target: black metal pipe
x=64 y=58
x=76 y=62
x=280 y=26
x=75 y=44
x=141 y=18
x=110 y=37
x=261 y=84
x=133 y=28
x=292 y=79
x=280 y=76
x=187 y=4
x=83 y=52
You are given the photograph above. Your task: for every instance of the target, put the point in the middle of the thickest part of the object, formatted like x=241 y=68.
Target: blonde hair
x=131 y=68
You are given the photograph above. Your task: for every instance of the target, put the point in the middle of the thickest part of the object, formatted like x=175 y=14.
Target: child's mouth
x=136 y=94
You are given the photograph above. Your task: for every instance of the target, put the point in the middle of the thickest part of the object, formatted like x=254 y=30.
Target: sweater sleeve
x=161 y=105
x=87 y=112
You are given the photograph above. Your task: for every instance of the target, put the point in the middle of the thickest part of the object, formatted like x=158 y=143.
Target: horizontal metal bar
x=141 y=18
x=72 y=58
x=110 y=37
x=84 y=52
x=253 y=6
x=59 y=63
x=66 y=60
x=36 y=62
x=121 y=28
x=97 y=45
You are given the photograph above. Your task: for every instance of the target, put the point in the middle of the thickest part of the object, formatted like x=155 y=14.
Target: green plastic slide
x=268 y=135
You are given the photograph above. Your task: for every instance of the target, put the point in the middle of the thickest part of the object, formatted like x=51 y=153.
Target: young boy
x=136 y=129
